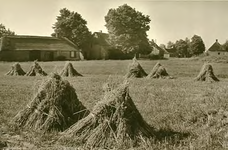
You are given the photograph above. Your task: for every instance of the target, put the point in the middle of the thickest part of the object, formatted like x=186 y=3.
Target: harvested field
x=69 y=71
x=159 y=71
x=54 y=107
x=113 y=122
x=206 y=74
x=177 y=106
x=36 y=70
x=135 y=70
x=16 y=70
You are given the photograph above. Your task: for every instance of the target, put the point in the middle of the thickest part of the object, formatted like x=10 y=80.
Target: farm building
x=101 y=48
x=42 y=48
x=216 y=49
x=157 y=52
x=172 y=52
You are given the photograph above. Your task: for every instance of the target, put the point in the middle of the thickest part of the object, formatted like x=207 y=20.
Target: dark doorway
x=34 y=55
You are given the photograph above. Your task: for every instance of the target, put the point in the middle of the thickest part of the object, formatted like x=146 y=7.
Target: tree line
x=4 y=31
x=188 y=47
x=126 y=27
x=127 y=30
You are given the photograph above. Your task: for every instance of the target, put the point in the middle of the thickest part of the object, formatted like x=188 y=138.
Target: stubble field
x=197 y=111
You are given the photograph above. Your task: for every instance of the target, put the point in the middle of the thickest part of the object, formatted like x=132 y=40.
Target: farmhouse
x=172 y=52
x=216 y=49
x=157 y=52
x=99 y=46
x=42 y=48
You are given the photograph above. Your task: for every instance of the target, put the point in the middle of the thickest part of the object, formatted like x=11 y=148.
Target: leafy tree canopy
x=187 y=40
x=162 y=46
x=170 y=45
x=197 y=45
x=4 y=31
x=71 y=25
x=225 y=45
x=182 y=48
x=127 y=29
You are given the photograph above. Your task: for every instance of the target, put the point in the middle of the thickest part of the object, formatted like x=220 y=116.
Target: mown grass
x=179 y=105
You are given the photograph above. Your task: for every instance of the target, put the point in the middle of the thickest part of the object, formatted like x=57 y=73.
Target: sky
x=170 y=20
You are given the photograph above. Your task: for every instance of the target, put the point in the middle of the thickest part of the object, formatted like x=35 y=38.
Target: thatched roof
x=216 y=47
x=22 y=42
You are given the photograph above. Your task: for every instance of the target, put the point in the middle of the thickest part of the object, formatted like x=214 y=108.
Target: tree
x=197 y=45
x=187 y=40
x=182 y=48
x=162 y=46
x=170 y=45
x=4 y=31
x=127 y=29
x=72 y=26
x=225 y=45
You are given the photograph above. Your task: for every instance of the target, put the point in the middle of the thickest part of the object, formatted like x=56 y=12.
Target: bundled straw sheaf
x=135 y=70
x=159 y=71
x=69 y=71
x=16 y=70
x=54 y=108
x=206 y=74
x=114 y=122
x=36 y=70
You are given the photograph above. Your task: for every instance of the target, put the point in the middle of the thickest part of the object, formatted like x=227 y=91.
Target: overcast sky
x=170 y=20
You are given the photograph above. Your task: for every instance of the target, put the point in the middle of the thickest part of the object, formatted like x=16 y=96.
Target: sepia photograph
x=113 y=75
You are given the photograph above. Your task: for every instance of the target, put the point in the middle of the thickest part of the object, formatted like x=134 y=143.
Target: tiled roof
x=216 y=47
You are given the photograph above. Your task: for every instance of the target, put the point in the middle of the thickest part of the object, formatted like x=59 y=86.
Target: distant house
x=172 y=52
x=99 y=46
x=29 y=48
x=216 y=49
x=157 y=52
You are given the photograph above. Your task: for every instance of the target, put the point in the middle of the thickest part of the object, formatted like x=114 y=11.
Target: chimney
x=216 y=40
x=100 y=31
